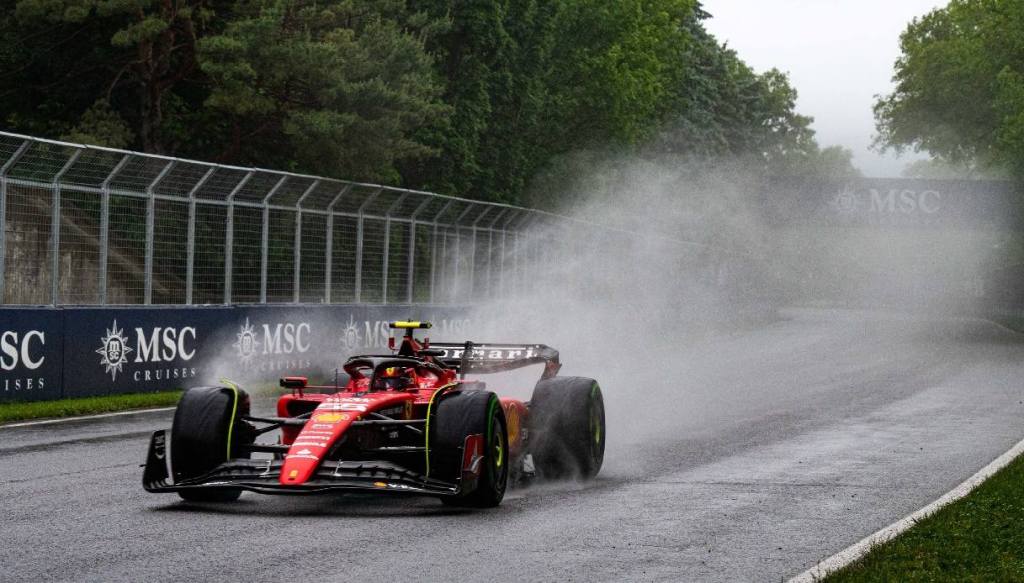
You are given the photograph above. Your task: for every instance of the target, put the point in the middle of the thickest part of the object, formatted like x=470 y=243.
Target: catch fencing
x=85 y=225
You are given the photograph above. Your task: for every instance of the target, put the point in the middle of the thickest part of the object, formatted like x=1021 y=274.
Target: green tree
x=112 y=63
x=960 y=86
x=335 y=88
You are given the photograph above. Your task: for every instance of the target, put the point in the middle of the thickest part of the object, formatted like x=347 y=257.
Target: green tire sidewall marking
x=593 y=416
x=234 y=413
x=490 y=424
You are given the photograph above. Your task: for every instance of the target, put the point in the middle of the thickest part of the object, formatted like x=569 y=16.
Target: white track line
x=85 y=417
x=855 y=552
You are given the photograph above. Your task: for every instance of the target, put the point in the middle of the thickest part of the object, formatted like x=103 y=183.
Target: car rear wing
x=484 y=358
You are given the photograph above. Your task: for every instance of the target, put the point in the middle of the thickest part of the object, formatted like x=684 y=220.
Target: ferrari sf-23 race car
x=409 y=422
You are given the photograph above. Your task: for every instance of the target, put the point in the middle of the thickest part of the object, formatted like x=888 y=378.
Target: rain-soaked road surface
x=746 y=458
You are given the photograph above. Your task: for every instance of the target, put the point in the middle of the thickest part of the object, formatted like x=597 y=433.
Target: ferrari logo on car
x=330 y=417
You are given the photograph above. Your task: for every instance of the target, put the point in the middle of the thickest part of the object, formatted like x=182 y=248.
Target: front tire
x=460 y=415
x=207 y=431
x=567 y=428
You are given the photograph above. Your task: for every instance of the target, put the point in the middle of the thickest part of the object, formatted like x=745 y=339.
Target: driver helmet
x=395 y=378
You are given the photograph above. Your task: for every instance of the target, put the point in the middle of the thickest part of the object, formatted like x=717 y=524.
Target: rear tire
x=458 y=416
x=567 y=428
x=207 y=431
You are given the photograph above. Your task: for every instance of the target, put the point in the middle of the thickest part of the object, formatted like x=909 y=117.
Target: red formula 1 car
x=408 y=422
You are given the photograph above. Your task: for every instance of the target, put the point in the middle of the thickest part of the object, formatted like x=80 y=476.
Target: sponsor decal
x=247 y=344
x=512 y=417
x=380 y=484
x=359 y=334
x=304 y=452
x=155 y=345
x=360 y=407
x=407 y=414
x=350 y=338
x=19 y=352
x=322 y=426
x=492 y=353
x=292 y=474
x=391 y=412
x=328 y=417
x=887 y=206
x=280 y=345
x=114 y=351
x=310 y=443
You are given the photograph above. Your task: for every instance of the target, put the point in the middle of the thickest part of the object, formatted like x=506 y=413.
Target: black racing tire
x=567 y=428
x=207 y=431
x=470 y=413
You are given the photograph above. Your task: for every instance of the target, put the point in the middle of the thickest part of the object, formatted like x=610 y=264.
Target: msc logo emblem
x=350 y=337
x=114 y=351
x=247 y=344
x=845 y=201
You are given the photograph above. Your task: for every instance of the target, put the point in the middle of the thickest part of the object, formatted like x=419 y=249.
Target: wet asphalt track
x=756 y=454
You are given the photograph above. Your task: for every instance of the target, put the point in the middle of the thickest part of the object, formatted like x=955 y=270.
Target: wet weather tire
x=206 y=432
x=567 y=428
x=460 y=415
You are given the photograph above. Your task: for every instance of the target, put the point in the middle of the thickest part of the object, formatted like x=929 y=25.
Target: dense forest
x=470 y=97
x=960 y=90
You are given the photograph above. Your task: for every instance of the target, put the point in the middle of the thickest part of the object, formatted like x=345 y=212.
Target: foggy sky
x=839 y=55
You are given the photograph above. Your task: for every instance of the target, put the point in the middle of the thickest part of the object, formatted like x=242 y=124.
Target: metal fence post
x=359 y=245
x=105 y=225
x=411 y=266
x=454 y=293
x=458 y=254
x=190 y=239
x=501 y=265
x=472 y=253
x=3 y=212
x=359 y=259
x=229 y=238
x=150 y=222
x=265 y=237
x=490 y=252
x=433 y=251
x=433 y=261
x=387 y=253
x=297 y=250
x=387 y=242
x=329 y=244
x=55 y=230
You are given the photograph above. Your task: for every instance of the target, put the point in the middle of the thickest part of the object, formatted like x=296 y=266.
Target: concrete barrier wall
x=53 y=353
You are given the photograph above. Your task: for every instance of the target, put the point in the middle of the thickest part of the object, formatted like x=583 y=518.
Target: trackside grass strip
x=10 y=412
x=1011 y=322
x=977 y=538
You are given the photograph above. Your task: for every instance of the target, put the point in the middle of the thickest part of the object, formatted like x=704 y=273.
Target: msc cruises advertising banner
x=897 y=203
x=31 y=354
x=48 y=353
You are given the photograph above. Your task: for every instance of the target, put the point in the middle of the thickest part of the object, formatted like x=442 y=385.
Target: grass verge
x=977 y=538
x=85 y=406
x=1014 y=323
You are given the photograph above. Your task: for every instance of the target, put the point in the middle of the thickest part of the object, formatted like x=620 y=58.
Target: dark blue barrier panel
x=134 y=350
x=899 y=203
x=31 y=354
x=78 y=352
x=266 y=342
